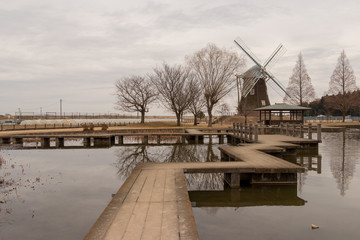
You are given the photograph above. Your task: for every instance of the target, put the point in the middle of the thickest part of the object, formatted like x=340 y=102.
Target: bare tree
x=173 y=84
x=300 y=87
x=135 y=94
x=197 y=102
x=214 y=67
x=342 y=83
x=223 y=111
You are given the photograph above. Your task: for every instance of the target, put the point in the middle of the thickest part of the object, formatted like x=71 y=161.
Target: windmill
x=254 y=90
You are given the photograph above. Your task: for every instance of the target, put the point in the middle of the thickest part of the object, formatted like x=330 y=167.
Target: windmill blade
x=277 y=82
x=250 y=83
x=275 y=56
x=240 y=43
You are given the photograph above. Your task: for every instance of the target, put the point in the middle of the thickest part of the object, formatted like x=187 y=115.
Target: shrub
x=104 y=127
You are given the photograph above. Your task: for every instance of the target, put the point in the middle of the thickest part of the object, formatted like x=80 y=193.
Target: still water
x=327 y=195
x=59 y=193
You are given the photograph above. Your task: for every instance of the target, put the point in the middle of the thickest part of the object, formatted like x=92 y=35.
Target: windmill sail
x=262 y=73
x=275 y=56
x=240 y=43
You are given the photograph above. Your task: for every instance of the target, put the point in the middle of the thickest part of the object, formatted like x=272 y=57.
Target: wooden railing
x=298 y=130
x=246 y=133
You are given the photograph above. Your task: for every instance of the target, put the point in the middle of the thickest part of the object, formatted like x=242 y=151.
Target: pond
x=327 y=195
x=59 y=193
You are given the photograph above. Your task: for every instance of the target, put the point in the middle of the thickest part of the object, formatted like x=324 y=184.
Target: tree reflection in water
x=310 y=159
x=343 y=157
x=128 y=157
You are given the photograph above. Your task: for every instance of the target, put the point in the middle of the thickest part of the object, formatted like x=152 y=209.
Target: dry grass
x=341 y=124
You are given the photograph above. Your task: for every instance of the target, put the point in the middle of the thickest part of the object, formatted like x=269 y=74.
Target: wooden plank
x=137 y=221
x=159 y=187
x=152 y=228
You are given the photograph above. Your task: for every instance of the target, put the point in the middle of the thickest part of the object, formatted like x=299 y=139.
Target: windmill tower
x=254 y=91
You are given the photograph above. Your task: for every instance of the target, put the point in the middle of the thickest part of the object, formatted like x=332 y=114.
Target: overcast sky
x=76 y=50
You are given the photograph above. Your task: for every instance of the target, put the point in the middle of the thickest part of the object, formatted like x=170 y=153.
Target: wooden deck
x=153 y=203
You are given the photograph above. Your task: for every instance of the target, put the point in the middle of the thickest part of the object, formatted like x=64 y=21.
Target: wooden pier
x=98 y=139
x=154 y=203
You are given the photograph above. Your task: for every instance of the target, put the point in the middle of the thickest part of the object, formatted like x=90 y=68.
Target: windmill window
x=263 y=102
x=252 y=92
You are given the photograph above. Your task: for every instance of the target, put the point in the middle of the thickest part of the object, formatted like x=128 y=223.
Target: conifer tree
x=300 y=87
x=342 y=84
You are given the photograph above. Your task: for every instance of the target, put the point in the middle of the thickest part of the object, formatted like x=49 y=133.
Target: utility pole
x=40 y=112
x=19 y=114
x=60 y=107
x=238 y=87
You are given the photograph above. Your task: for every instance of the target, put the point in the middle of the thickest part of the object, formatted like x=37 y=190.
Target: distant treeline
x=325 y=106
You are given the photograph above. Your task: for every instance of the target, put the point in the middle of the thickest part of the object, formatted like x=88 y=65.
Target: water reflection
x=128 y=157
x=310 y=159
x=343 y=157
x=248 y=196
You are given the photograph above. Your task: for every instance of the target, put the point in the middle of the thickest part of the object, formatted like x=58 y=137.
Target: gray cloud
x=76 y=50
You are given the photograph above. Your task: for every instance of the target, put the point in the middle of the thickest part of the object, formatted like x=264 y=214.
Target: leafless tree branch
x=135 y=94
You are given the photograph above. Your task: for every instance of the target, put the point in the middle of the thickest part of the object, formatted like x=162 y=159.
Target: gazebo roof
x=282 y=107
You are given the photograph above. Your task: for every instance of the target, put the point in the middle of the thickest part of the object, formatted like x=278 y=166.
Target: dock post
x=241 y=132
x=234 y=180
x=59 y=142
x=319 y=132
x=121 y=140
x=287 y=129
x=234 y=131
x=87 y=142
x=246 y=132
x=319 y=164
x=309 y=131
x=5 y=140
x=280 y=127
x=158 y=139
x=17 y=140
x=146 y=139
x=45 y=142
x=221 y=139
x=196 y=139
x=293 y=131
x=256 y=132
x=301 y=131
x=237 y=129
x=112 y=140
x=250 y=132
x=183 y=139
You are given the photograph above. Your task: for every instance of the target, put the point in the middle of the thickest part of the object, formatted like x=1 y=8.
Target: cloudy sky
x=76 y=50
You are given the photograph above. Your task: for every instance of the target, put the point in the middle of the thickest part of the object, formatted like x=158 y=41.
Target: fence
x=331 y=119
x=70 y=115
x=12 y=127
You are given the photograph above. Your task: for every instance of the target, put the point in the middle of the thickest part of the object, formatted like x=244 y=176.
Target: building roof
x=283 y=107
